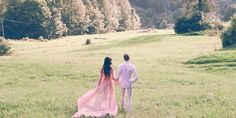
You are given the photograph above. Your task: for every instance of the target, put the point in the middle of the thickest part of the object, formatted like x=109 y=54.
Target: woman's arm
x=115 y=80
x=118 y=73
x=113 y=74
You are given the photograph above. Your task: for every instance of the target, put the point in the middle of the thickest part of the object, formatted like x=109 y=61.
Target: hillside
x=153 y=11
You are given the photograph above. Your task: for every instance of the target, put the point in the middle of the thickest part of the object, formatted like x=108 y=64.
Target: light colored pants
x=123 y=100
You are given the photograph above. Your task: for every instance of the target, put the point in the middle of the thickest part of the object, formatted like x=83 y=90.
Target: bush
x=25 y=38
x=41 y=38
x=88 y=41
x=229 y=36
x=192 y=24
x=220 y=27
x=216 y=26
x=4 y=47
x=163 y=24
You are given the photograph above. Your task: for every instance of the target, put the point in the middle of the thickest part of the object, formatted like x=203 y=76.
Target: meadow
x=180 y=76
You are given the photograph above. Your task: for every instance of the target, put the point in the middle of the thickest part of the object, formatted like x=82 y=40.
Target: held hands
x=116 y=81
x=133 y=81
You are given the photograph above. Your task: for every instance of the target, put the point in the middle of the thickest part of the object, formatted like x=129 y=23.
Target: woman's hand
x=133 y=81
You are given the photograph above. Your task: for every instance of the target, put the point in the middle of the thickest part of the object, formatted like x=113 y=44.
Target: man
x=124 y=74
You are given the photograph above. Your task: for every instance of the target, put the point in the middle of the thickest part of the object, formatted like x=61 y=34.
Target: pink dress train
x=100 y=101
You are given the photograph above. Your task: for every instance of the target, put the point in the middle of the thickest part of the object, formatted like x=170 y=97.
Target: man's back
x=125 y=72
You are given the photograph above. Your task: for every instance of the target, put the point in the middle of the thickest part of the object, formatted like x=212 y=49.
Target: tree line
x=155 y=11
x=56 y=18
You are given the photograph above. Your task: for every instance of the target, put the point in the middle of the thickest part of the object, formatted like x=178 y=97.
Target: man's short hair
x=126 y=57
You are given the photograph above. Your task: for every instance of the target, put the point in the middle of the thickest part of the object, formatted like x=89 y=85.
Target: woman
x=102 y=100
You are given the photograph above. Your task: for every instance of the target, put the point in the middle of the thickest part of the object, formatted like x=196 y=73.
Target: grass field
x=180 y=76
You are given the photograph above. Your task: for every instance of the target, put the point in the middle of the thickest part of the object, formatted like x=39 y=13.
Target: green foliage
x=204 y=5
x=193 y=20
x=91 y=17
x=74 y=16
x=56 y=27
x=229 y=36
x=4 y=47
x=95 y=21
x=153 y=11
x=228 y=12
x=3 y=4
x=57 y=18
x=192 y=24
x=128 y=19
x=32 y=19
x=123 y=24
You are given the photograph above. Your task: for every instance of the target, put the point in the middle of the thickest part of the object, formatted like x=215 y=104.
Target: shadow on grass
x=222 y=60
x=233 y=47
x=220 y=56
x=191 y=34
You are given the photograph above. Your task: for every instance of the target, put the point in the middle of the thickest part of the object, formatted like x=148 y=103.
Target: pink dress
x=100 y=101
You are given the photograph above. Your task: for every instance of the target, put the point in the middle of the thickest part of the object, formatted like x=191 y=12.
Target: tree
x=27 y=19
x=33 y=18
x=110 y=11
x=229 y=36
x=153 y=11
x=128 y=19
x=56 y=18
x=193 y=20
x=73 y=15
x=192 y=24
x=202 y=6
x=56 y=27
x=95 y=19
x=229 y=12
x=3 y=4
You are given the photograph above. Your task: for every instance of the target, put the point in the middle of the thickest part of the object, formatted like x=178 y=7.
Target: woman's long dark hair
x=107 y=66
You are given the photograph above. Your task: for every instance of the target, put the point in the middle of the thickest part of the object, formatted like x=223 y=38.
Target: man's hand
x=133 y=81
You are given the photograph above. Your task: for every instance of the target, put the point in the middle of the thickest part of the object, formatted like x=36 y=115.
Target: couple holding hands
x=101 y=101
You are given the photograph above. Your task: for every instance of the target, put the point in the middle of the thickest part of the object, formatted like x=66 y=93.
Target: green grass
x=45 y=79
x=126 y=43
